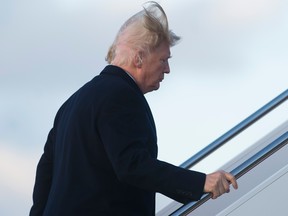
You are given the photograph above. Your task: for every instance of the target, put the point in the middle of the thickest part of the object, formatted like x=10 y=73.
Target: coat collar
x=117 y=71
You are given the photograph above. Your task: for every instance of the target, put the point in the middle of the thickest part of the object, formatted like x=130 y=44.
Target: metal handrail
x=239 y=171
x=235 y=130
x=247 y=165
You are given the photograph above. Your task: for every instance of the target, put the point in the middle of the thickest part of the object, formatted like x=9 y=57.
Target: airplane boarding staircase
x=261 y=171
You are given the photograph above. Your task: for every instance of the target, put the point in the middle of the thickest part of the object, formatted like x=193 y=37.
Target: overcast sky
x=232 y=60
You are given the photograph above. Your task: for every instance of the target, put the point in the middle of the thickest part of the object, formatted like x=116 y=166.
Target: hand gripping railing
x=238 y=171
x=247 y=165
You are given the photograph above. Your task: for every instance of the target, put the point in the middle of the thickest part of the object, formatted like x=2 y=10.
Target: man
x=100 y=157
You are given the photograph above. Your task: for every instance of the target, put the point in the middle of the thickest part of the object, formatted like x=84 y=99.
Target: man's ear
x=138 y=60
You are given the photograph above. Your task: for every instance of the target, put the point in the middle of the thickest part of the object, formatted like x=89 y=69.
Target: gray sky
x=232 y=60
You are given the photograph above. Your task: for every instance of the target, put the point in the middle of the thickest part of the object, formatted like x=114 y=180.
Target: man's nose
x=167 y=68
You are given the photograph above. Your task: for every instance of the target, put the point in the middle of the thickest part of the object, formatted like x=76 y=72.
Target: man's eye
x=163 y=61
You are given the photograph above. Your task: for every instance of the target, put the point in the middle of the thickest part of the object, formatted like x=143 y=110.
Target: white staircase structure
x=261 y=171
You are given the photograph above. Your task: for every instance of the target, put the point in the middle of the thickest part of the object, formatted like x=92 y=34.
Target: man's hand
x=218 y=183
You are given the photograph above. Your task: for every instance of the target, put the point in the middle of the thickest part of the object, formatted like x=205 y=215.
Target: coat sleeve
x=129 y=139
x=43 y=178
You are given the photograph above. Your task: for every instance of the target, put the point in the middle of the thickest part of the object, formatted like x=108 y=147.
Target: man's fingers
x=218 y=183
x=232 y=180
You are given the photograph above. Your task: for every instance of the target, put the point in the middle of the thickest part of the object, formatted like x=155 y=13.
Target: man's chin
x=154 y=88
x=157 y=87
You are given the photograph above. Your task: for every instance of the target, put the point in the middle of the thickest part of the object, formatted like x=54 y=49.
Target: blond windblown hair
x=143 y=32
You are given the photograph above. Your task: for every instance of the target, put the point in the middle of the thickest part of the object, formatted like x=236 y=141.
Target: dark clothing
x=100 y=157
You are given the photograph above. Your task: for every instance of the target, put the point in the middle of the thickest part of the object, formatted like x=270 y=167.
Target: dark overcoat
x=100 y=157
